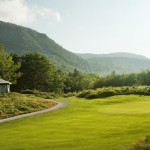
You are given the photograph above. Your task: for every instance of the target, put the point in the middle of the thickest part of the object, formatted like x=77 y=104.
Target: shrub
x=12 y=104
x=143 y=144
x=110 y=91
x=46 y=95
x=70 y=94
x=27 y=91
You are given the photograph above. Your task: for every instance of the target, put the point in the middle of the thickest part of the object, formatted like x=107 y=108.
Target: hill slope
x=118 y=62
x=21 y=40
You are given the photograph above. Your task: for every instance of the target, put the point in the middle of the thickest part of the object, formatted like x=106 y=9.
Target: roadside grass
x=13 y=104
x=113 y=123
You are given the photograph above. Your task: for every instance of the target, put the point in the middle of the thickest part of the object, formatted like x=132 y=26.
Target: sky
x=86 y=26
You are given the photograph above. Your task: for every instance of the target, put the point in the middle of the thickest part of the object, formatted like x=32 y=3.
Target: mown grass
x=13 y=104
x=99 y=124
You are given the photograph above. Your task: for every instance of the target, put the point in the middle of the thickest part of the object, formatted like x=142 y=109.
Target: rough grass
x=100 y=124
x=13 y=104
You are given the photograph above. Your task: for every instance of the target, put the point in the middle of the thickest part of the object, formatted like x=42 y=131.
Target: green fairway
x=112 y=123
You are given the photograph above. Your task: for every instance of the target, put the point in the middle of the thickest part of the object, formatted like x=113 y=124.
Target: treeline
x=133 y=79
x=34 y=71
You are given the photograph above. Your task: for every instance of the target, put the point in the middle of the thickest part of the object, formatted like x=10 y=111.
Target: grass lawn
x=112 y=123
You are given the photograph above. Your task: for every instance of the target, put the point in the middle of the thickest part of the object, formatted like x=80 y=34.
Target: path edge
x=57 y=106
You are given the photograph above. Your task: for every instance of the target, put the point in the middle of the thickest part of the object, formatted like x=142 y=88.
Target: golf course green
x=113 y=123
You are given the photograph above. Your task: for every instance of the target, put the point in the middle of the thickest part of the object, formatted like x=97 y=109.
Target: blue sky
x=86 y=26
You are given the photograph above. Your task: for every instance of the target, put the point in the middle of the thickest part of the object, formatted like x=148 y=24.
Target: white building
x=4 y=86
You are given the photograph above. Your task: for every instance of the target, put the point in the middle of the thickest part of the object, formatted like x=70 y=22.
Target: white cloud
x=20 y=12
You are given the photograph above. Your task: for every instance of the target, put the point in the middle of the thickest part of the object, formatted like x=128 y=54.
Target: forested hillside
x=21 y=40
x=118 y=62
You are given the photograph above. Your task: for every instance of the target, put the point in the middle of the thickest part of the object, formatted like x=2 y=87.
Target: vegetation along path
x=57 y=106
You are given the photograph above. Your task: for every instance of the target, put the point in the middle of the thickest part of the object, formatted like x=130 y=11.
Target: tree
x=58 y=83
x=8 y=69
x=73 y=81
x=38 y=73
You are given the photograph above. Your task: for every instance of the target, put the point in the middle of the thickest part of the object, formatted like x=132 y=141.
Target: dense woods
x=38 y=63
x=34 y=71
x=131 y=79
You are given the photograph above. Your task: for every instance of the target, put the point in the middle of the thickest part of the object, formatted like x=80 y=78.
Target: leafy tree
x=76 y=81
x=58 y=82
x=88 y=81
x=38 y=73
x=8 y=69
x=143 y=78
x=73 y=81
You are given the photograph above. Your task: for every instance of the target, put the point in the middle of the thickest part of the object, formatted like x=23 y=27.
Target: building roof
x=4 y=82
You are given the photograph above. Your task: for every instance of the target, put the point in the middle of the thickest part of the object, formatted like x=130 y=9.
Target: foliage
x=131 y=79
x=8 y=69
x=70 y=94
x=12 y=104
x=110 y=91
x=38 y=72
x=77 y=81
x=143 y=144
x=46 y=95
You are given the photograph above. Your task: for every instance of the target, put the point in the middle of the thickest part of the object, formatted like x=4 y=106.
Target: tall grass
x=12 y=104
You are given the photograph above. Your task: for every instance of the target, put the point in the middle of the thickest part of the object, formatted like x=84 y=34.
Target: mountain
x=118 y=54
x=21 y=40
x=118 y=62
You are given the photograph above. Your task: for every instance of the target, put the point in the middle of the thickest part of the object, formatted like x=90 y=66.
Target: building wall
x=4 y=88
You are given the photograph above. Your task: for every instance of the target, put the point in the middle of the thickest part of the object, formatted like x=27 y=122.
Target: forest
x=34 y=71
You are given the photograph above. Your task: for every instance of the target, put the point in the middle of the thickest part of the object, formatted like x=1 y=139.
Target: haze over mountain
x=120 y=62
x=118 y=54
x=21 y=40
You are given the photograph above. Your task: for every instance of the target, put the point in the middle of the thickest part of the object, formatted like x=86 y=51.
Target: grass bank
x=112 y=123
x=13 y=104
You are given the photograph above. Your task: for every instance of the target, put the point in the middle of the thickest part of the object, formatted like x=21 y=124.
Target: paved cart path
x=57 y=106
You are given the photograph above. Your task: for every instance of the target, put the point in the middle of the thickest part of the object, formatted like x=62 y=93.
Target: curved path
x=57 y=106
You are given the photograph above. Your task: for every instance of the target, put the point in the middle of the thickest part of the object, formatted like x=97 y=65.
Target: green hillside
x=118 y=62
x=21 y=40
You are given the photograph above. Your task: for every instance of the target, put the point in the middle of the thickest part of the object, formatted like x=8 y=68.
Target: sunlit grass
x=101 y=124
